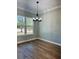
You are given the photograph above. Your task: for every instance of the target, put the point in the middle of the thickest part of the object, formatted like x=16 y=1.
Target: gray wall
x=50 y=27
x=24 y=13
x=24 y=37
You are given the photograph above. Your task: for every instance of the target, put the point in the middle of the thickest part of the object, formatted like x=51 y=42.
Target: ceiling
x=30 y=5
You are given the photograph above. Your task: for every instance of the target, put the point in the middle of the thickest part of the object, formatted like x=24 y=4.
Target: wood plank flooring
x=38 y=49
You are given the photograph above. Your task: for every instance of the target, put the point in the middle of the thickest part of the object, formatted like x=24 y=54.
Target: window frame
x=25 y=26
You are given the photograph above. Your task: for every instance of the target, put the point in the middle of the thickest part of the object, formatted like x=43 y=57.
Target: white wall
x=50 y=27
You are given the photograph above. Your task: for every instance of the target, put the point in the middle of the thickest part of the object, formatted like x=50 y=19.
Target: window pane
x=29 y=24
x=20 y=25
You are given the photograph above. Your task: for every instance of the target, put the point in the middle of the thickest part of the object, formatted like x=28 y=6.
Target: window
x=24 y=25
x=29 y=23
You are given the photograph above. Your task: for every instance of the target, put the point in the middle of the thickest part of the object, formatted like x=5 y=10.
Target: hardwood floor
x=38 y=49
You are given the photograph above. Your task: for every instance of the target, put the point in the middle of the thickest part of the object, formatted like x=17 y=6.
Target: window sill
x=26 y=35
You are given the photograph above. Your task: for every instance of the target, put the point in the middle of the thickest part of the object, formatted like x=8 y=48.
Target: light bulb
x=40 y=18
x=33 y=18
x=36 y=17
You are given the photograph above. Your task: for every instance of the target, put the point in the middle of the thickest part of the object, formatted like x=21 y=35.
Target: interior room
x=38 y=29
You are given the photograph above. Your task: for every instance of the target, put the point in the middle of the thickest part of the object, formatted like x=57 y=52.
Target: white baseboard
x=48 y=41
x=39 y=39
x=25 y=41
x=51 y=42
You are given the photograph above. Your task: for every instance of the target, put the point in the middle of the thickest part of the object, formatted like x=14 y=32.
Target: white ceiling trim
x=25 y=10
x=48 y=10
x=51 y=9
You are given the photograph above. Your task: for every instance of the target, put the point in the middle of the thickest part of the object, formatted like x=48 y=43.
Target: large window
x=24 y=25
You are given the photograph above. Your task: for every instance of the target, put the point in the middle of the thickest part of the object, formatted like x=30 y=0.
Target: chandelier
x=37 y=15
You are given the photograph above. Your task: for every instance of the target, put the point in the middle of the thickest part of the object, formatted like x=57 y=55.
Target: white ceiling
x=30 y=5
